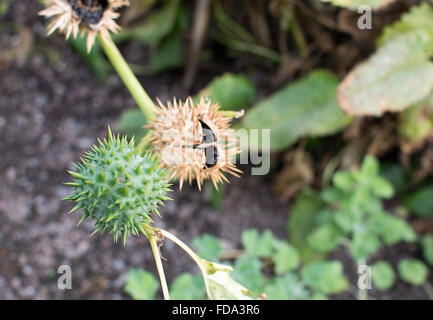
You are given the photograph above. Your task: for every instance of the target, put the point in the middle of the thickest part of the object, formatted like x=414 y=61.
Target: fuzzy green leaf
x=397 y=76
x=418 y=18
x=355 y=4
x=307 y=107
x=231 y=91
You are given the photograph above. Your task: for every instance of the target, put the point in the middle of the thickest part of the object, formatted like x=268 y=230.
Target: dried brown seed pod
x=195 y=141
x=90 y=16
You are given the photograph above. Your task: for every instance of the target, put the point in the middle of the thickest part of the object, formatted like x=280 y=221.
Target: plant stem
x=183 y=246
x=159 y=267
x=140 y=96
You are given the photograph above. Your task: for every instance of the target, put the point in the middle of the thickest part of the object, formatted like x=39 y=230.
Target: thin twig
x=159 y=267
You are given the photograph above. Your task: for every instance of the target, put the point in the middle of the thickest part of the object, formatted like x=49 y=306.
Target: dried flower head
x=90 y=16
x=117 y=188
x=194 y=141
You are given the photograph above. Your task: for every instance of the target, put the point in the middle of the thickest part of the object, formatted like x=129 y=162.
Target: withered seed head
x=90 y=16
x=194 y=141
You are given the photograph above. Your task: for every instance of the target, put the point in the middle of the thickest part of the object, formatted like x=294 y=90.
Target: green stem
x=183 y=246
x=140 y=96
x=159 y=267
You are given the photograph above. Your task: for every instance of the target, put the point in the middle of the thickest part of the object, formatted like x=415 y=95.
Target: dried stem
x=159 y=267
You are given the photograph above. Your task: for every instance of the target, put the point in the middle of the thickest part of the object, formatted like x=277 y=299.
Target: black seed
x=211 y=154
x=89 y=11
x=208 y=134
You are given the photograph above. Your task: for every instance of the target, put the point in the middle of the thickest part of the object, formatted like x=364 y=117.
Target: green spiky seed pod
x=118 y=188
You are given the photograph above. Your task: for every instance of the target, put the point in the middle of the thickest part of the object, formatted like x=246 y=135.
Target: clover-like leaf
x=413 y=271
x=188 y=287
x=256 y=245
x=141 y=284
x=382 y=275
x=208 y=247
x=247 y=271
x=325 y=276
x=286 y=287
x=286 y=257
x=325 y=238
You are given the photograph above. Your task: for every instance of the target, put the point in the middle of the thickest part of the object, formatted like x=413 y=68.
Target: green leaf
x=412 y=271
x=325 y=238
x=381 y=187
x=307 y=107
x=141 y=284
x=286 y=258
x=382 y=275
x=418 y=18
x=286 y=287
x=427 y=248
x=420 y=202
x=370 y=166
x=258 y=246
x=396 y=230
x=158 y=25
x=188 y=287
x=325 y=276
x=168 y=53
x=397 y=76
x=231 y=91
x=131 y=122
x=355 y=4
x=345 y=180
x=208 y=247
x=416 y=123
x=303 y=219
x=247 y=271
x=363 y=246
